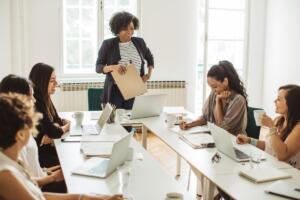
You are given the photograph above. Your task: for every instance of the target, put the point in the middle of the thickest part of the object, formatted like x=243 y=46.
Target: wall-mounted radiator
x=73 y=96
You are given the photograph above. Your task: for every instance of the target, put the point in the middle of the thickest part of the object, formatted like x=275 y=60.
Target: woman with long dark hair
x=51 y=126
x=283 y=138
x=226 y=105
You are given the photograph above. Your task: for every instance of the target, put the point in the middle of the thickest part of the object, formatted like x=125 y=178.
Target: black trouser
x=57 y=187
x=117 y=99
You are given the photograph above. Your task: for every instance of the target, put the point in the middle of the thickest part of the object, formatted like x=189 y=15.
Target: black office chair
x=95 y=99
x=252 y=130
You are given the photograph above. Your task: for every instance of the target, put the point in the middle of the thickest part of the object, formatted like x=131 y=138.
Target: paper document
x=102 y=149
x=264 y=174
x=194 y=130
x=197 y=141
x=101 y=138
x=130 y=83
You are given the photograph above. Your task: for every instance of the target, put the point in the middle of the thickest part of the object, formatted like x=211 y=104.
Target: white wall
x=5 y=45
x=282 y=51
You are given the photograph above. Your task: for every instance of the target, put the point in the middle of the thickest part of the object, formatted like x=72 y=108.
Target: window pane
x=88 y=2
x=72 y=22
x=89 y=23
x=88 y=57
x=229 y=4
x=224 y=24
x=72 y=2
x=72 y=52
x=232 y=51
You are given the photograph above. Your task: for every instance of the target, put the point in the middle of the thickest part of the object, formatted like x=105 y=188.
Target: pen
x=297 y=189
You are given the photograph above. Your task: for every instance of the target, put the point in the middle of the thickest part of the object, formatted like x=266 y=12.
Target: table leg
x=208 y=189
x=178 y=165
x=144 y=136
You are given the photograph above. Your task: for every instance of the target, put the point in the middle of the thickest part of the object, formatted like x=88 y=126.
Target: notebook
x=264 y=174
x=194 y=130
x=198 y=141
x=284 y=189
x=130 y=83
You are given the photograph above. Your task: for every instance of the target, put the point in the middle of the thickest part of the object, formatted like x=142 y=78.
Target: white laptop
x=224 y=144
x=147 y=106
x=94 y=129
x=284 y=189
x=103 y=167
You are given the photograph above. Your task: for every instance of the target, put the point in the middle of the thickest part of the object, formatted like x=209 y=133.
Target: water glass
x=123 y=176
x=255 y=159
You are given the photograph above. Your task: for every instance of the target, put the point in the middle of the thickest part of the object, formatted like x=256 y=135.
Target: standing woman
x=51 y=126
x=226 y=105
x=123 y=49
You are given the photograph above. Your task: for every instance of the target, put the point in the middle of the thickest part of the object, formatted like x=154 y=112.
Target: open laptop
x=103 y=167
x=224 y=144
x=94 y=129
x=147 y=106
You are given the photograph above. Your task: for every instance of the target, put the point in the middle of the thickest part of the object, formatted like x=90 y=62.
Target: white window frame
x=93 y=77
x=205 y=46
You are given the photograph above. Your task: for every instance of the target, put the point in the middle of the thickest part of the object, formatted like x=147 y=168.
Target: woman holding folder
x=115 y=53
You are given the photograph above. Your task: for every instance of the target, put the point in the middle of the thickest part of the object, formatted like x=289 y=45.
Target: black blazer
x=46 y=126
x=109 y=54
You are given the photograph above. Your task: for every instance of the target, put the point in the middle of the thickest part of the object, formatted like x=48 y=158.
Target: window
x=85 y=25
x=222 y=32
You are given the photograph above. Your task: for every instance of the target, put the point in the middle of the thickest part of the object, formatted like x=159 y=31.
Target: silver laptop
x=103 y=167
x=224 y=144
x=95 y=129
x=147 y=106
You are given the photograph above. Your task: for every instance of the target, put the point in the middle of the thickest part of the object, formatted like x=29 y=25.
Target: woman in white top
x=51 y=179
x=17 y=121
x=284 y=132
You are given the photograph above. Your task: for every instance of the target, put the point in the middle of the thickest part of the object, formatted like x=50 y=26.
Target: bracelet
x=253 y=141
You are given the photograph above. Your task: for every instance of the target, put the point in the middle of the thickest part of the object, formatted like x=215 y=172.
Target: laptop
x=147 y=106
x=224 y=144
x=103 y=167
x=95 y=129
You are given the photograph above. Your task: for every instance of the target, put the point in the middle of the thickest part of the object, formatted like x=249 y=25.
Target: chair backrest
x=252 y=130
x=95 y=98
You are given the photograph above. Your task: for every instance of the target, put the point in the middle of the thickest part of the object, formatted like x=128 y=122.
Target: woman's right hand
x=242 y=139
x=183 y=125
x=57 y=175
x=66 y=127
x=119 y=68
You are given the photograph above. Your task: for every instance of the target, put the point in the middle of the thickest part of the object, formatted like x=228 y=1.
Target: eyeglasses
x=216 y=158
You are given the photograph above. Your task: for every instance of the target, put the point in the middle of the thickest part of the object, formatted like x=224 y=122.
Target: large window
x=223 y=36
x=85 y=25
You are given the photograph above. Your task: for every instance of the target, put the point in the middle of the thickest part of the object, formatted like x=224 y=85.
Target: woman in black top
x=123 y=49
x=51 y=126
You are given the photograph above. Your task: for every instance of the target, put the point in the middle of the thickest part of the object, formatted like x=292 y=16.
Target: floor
x=167 y=157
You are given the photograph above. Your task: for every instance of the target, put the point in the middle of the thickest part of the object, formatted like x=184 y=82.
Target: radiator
x=73 y=96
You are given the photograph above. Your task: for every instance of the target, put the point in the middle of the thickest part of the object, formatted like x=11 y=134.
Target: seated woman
x=51 y=179
x=284 y=132
x=51 y=126
x=17 y=121
x=226 y=105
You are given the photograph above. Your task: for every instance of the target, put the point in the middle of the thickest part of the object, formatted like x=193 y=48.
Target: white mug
x=78 y=116
x=171 y=120
x=258 y=116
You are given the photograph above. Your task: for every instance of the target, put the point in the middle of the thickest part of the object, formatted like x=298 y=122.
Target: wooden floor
x=167 y=158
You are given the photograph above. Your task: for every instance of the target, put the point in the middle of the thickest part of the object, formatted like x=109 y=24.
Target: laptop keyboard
x=90 y=130
x=100 y=168
x=240 y=155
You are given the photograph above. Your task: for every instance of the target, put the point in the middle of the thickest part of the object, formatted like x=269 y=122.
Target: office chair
x=95 y=99
x=252 y=130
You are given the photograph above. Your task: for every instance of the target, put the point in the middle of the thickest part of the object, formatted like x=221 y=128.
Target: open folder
x=130 y=83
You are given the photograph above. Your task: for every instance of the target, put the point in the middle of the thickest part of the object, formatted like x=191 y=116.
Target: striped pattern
x=129 y=54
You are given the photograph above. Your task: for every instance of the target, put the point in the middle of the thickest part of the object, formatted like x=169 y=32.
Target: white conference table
x=200 y=160
x=147 y=180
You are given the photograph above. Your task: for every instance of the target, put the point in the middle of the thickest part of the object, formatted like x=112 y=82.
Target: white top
x=20 y=173
x=30 y=158
x=294 y=160
x=129 y=54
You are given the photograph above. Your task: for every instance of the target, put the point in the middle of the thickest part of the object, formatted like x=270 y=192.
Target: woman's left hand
x=146 y=77
x=267 y=121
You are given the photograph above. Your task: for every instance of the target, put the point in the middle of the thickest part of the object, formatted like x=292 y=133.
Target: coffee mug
x=258 y=116
x=78 y=116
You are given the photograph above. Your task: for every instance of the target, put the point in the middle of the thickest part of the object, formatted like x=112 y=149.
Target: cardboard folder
x=130 y=83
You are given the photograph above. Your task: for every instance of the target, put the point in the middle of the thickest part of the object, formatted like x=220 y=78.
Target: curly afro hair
x=121 y=20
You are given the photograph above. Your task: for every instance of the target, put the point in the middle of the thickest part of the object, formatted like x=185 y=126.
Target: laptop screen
x=104 y=115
